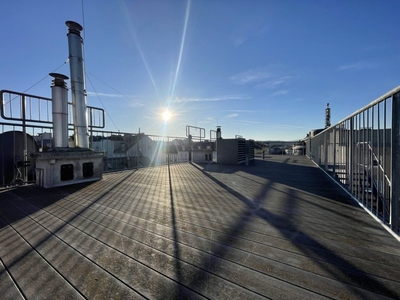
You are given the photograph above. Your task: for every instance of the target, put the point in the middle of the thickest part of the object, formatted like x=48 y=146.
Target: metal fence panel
x=361 y=152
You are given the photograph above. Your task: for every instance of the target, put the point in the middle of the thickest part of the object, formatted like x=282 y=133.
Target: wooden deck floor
x=277 y=229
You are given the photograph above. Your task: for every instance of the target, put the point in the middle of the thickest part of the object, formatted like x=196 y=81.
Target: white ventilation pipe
x=78 y=90
x=59 y=96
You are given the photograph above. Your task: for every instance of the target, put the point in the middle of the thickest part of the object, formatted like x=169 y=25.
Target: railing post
x=137 y=151
x=326 y=140
x=168 y=150
x=395 y=197
x=91 y=128
x=25 y=141
x=351 y=145
x=334 y=131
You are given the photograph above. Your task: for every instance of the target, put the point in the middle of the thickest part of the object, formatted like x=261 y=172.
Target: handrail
x=22 y=106
x=371 y=104
x=376 y=101
x=368 y=139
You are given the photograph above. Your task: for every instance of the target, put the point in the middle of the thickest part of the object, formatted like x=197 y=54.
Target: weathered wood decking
x=278 y=229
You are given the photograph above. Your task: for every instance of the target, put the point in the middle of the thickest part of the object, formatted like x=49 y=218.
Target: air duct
x=75 y=47
x=59 y=96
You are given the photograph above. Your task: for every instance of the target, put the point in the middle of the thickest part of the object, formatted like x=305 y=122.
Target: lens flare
x=166 y=115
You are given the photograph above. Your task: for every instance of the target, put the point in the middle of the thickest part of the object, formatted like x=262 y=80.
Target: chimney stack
x=59 y=96
x=78 y=88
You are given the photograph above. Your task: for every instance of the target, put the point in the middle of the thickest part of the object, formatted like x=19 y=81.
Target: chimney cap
x=73 y=26
x=59 y=76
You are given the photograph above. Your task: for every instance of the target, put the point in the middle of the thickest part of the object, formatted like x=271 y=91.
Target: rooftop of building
x=278 y=228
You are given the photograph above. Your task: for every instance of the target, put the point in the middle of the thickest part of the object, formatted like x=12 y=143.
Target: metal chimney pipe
x=219 y=132
x=78 y=88
x=59 y=96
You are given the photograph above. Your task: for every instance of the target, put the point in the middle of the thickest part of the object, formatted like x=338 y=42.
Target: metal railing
x=138 y=150
x=27 y=108
x=122 y=151
x=361 y=152
x=26 y=128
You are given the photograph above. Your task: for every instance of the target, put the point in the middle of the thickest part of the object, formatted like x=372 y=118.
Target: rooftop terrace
x=278 y=228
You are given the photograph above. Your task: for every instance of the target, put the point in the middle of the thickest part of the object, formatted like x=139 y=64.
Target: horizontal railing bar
x=18 y=94
x=373 y=103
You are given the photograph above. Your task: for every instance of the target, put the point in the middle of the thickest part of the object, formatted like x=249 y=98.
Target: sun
x=166 y=115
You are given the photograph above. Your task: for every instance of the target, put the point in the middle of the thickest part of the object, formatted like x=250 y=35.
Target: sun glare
x=166 y=115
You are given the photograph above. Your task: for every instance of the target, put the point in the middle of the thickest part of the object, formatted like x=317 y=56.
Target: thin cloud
x=278 y=93
x=247 y=33
x=238 y=41
x=222 y=98
x=240 y=110
x=132 y=101
x=361 y=65
x=106 y=95
x=261 y=79
x=262 y=31
x=269 y=125
x=274 y=82
x=208 y=120
x=250 y=76
x=135 y=104
x=231 y=116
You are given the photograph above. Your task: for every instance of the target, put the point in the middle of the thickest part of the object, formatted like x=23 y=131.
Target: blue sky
x=261 y=69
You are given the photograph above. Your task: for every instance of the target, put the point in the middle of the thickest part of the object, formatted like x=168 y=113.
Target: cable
x=46 y=76
x=38 y=81
x=83 y=21
x=124 y=96
x=98 y=97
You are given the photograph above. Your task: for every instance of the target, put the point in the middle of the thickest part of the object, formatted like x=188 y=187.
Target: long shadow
x=178 y=267
x=10 y=194
x=347 y=272
x=297 y=172
x=300 y=174
x=53 y=195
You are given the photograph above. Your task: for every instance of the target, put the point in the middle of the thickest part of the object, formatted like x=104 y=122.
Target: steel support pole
x=395 y=197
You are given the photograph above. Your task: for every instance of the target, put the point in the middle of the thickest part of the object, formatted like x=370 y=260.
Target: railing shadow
x=8 y=195
x=10 y=214
x=340 y=268
x=294 y=171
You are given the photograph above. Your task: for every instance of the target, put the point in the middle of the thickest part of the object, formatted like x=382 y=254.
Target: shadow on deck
x=279 y=228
